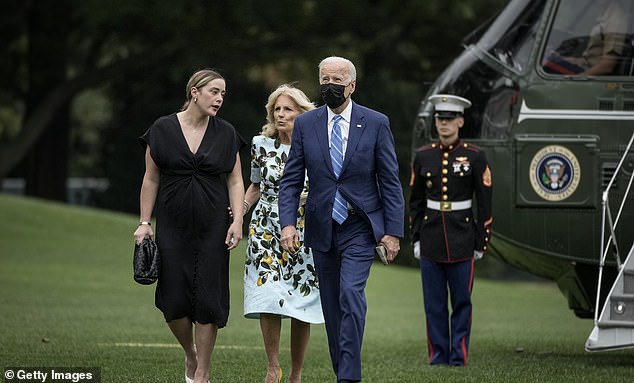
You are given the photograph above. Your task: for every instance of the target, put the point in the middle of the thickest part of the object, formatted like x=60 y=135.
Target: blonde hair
x=198 y=80
x=299 y=98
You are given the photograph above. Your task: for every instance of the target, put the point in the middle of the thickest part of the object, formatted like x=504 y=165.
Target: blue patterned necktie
x=340 y=207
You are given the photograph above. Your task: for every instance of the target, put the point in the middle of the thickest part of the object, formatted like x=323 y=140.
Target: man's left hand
x=392 y=245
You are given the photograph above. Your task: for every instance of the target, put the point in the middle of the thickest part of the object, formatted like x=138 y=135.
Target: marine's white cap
x=448 y=105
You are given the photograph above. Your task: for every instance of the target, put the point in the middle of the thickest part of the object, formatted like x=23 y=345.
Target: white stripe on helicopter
x=527 y=113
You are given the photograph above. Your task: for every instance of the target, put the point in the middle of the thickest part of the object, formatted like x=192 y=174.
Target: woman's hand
x=234 y=235
x=141 y=232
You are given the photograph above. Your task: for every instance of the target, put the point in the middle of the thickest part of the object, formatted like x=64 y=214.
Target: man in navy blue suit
x=355 y=203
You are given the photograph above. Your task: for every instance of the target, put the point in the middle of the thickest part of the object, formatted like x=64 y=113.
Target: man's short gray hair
x=352 y=71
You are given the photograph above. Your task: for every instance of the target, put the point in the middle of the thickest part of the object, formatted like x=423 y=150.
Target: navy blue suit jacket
x=368 y=180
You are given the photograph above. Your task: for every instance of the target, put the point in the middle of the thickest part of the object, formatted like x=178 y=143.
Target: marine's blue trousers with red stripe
x=447 y=337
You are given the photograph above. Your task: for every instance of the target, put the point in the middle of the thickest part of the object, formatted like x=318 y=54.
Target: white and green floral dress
x=275 y=281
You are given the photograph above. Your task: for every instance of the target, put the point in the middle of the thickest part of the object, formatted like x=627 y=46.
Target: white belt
x=448 y=205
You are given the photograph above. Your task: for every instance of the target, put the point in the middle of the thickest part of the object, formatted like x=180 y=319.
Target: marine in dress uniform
x=451 y=180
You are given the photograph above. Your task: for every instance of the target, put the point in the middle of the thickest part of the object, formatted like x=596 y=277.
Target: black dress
x=192 y=219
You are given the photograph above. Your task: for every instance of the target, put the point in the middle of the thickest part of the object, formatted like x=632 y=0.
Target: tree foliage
x=135 y=56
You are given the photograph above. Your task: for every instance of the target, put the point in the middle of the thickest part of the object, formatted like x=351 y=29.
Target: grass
x=67 y=299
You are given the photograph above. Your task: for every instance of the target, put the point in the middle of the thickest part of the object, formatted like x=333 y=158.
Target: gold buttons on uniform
x=428 y=174
x=445 y=162
x=444 y=180
x=444 y=189
x=446 y=155
x=466 y=219
x=444 y=197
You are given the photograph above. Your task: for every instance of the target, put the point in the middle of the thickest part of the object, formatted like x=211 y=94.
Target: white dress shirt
x=344 y=123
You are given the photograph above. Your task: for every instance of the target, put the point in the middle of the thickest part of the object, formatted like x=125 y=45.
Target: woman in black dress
x=192 y=174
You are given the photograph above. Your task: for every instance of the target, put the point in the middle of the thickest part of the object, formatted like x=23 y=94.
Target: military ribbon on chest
x=461 y=165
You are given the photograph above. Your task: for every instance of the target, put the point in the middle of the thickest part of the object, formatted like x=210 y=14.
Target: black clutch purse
x=146 y=262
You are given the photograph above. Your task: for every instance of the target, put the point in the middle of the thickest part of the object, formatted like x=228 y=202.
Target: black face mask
x=333 y=94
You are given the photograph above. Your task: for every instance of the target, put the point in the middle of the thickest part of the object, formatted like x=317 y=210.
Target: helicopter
x=558 y=135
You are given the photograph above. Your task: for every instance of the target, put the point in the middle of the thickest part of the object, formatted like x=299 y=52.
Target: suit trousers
x=343 y=272
x=447 y=346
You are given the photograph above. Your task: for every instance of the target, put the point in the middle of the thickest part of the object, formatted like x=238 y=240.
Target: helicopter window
x=512 y=35
x=491 y=121
x=590 y=37
x=494 y=99
x=509 y=38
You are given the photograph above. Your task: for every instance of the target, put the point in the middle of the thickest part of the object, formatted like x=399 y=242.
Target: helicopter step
x=615 y=327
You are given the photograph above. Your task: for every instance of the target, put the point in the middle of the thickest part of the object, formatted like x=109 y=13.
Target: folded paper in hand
x=146 y=262
x=381 y=252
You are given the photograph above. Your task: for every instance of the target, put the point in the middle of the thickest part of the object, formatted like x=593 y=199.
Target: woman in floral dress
x=278 y=284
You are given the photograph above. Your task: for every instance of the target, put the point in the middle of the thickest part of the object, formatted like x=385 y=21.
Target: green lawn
x=67 y=299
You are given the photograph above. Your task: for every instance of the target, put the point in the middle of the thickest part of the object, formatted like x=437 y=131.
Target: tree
x=138 y=53
x=63 y=48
